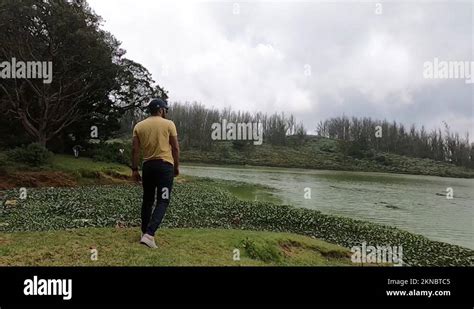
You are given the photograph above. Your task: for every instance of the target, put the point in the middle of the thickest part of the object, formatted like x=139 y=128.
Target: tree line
x=194 y=123
x=381 y=135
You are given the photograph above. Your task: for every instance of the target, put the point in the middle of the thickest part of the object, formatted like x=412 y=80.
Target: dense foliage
x=34 y=155
x=92 y=84
x=117 y=152
x=360 y=136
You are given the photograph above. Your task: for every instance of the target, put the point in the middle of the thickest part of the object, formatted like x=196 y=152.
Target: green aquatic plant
x=205 y=205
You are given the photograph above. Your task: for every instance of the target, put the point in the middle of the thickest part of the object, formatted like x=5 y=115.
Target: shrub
x=34 y=155
x=111 y=152
x=241 y=145
x=383 y=159
x=328 y=145
x=223 y=149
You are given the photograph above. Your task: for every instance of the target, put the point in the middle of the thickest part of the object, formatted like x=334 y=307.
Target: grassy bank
x=177 y=247
x=321 y=153
x=201 y=204
x=110 y=201
x=63 y=170
x=315 y=153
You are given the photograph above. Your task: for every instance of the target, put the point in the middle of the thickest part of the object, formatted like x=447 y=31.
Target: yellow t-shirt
x=154 y=135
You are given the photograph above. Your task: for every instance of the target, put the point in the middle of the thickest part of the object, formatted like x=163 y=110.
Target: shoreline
x=325 y=168
x=200 y=205
x=300 y=170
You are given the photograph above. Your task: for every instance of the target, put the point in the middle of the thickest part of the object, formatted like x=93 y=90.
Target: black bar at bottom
x=241 y=285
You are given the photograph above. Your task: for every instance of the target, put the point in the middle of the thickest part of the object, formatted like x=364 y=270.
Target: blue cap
x=156 y=104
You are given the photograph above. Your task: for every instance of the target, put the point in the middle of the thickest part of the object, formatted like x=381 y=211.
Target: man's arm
x=175 y=152
x=135 y=158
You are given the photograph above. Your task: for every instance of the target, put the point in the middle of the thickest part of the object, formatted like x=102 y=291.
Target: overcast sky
x=314 y=59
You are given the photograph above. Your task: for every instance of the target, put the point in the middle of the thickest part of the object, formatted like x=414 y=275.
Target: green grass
x=68 y=163
x=197 y=204
x=61 y=169
x=88 y=171
x=200 y=205
x=177 y=247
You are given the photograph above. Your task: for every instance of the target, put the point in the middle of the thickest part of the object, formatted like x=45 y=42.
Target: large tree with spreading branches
x=92 y=82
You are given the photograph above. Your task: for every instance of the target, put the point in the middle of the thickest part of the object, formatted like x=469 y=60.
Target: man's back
x=153 y=134
x=158 y=139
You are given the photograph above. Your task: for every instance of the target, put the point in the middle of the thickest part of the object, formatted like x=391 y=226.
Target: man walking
x=156 y=136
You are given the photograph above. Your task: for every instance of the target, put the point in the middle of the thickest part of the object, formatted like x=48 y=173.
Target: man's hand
x=175 y=152
x=136 y=176
x=135 y=155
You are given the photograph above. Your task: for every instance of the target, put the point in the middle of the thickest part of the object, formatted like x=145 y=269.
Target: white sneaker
x=149 y=241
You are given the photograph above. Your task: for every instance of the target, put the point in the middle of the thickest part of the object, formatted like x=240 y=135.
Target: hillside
x=322 y=153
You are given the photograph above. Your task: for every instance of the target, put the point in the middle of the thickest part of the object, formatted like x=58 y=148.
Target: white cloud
x=255 y=60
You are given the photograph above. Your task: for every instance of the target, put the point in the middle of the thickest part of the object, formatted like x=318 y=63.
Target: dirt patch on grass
x=116 y=175
x=290 y=247
x=108 y=178
x=36 y=179
x=180 y=179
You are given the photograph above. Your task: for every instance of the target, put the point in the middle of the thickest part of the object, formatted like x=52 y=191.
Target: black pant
x=156 y=174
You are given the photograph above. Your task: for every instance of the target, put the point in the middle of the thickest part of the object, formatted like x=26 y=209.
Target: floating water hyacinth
x=203 y=205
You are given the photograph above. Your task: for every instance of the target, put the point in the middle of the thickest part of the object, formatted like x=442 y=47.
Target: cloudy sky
x=314 y=59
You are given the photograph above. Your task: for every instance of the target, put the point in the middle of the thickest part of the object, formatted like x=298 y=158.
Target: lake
x=417 y=204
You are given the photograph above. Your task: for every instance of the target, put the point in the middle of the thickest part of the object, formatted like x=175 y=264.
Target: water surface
x=414 y=203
